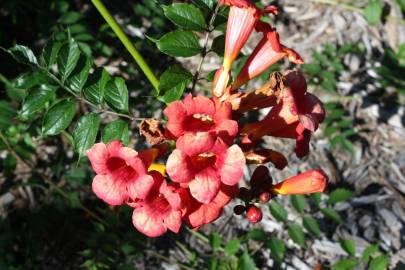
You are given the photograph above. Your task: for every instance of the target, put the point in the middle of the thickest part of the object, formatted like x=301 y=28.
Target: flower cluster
x=206 y=146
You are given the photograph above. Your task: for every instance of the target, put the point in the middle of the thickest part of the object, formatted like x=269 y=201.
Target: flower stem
x=204 y=50
x=127 y=43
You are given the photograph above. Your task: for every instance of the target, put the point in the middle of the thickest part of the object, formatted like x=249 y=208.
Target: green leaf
x=186 y=16
x=401 y=52
x=58 y=118
x=311 y=225
x=348 y=246
x=30 y=80
x=339 y=195
x=379 y=263
x=257 y=235
x=332 y=214
x=277 y=248
x=246 y=262
x=50 y=53
x=205 y=3
x=79 y=75
x=23 y=54
x=95 y=86
x=316 y=198
x=373 y=11
x=278 y=211
x=116 y=130
x=329 y=131
x=346 y=144
x=368 y=252
x=67 y=59
x=116 y=94
x=232 y=246
x=296 y=234
x=36 y=100
x=218 y=45
x=299 y=202
x=7 y=114
x=345 y=264
x=70 y=17
x=85 y=133
x=179 y=43
x=401 y=4
x=173 y=82
x=345 y=123
x=312 y=69
x=215 y=241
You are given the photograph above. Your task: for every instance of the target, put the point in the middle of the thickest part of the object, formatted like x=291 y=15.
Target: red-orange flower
x=295 y=116
x=200 y=114
x=121 y=173
x=268 y=52
x=199 y=213
x=160 y=210
x=204 y=167
x=311 y=181
x=243 y=16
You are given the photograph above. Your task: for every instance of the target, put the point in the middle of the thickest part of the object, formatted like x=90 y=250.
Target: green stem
x=127 y=43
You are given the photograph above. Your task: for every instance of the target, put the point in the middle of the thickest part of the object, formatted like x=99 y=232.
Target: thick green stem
x=127 y=43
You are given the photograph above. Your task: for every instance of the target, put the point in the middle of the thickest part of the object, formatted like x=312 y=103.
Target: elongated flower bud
x=311 y=181
x=243 y=16
x=268 y=52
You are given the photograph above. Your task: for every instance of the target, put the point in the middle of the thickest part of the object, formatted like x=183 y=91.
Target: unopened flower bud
x=239 y=209
x=264 y=197
x=311 y=181
x=254 y=214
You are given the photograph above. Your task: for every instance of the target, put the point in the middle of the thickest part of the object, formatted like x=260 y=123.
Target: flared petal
x=205 y=185
x=109 y=190
x=171 y=195
x=173 y=221
x=303 y=136
x=176 y=114
x=199 y=104
x=200 y=214
x=179 y=167
x=140 y=187
x=232 y=169
x=311 y=112
x=227 y=129
x=147 y=223
x=114 y=147
x=98 y=156
x=195 y=143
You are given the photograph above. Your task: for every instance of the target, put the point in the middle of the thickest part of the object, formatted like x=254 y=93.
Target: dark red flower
x=295 y=116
